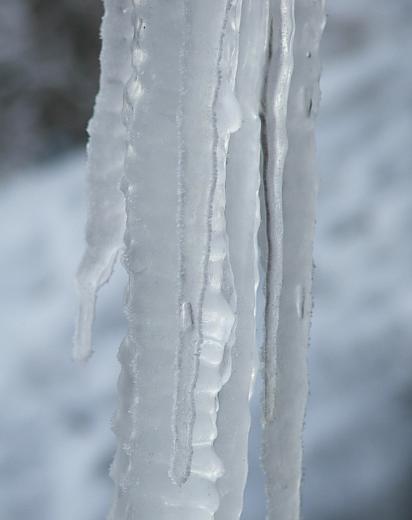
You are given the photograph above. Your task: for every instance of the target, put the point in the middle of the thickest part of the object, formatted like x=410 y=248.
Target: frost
x=205 y=121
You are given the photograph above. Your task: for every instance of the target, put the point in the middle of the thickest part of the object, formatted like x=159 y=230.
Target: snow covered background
x=55 y=438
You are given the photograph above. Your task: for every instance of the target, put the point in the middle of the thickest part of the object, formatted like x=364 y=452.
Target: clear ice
x=201 y=175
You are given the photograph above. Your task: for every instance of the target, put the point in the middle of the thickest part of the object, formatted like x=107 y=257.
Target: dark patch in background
x=49 y=72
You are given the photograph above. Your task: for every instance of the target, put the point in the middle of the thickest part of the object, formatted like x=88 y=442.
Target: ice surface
x=275 y=136
x=215 y=309
x=56 y=444
x=106 y=149
x=286 y=382
x=180 y=294
x=243 y=220
x=210 y=97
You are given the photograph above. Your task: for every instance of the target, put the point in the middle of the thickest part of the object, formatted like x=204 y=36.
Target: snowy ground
x=55 y=441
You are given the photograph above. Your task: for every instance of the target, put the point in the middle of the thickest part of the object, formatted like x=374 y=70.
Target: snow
x=55 y=441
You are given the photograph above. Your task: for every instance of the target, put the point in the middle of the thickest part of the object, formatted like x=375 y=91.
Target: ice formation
x=201 y=175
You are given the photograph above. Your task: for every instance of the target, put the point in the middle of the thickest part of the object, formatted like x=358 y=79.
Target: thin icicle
x=279 y=77
x=282 y=449
x=126 y=422
x=184 y=399
x=243 y=220
x=106 y=148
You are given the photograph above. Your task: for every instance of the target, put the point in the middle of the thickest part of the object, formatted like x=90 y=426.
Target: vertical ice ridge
x=277 y=126
x=126 y=418
x=282 y=437
x=215 y=257
x=125 y=426
x=184 y=398
x=214 y=177
x=217 y=303
x=227 y=120
x=133 y=92
x=243 y=218
x=105 y=222
x=219 y=298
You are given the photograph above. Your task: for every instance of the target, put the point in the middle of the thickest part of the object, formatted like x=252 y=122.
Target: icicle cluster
x=201 y=173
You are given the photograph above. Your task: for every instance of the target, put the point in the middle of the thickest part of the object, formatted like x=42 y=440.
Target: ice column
x=291 y=99
x=200 y=169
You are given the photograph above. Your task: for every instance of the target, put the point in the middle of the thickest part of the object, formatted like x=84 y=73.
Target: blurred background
x=55 y=438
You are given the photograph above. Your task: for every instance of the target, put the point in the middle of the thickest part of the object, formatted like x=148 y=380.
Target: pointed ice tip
x=82 y=342
x=178 y=479
x=81 y=353
x=180 y=469
x=82 y=348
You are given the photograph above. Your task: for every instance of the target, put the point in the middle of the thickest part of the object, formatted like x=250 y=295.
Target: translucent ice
x=204 y=121
x=286 y=373
x=106 y=149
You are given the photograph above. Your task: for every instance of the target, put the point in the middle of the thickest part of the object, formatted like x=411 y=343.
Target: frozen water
x=106 y=151
x=294 y=192
x=56 y=447
x=183 y=100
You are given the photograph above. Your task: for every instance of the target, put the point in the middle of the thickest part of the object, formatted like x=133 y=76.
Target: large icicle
x=216 y=305
x=205 y=121
x=181 y=295
x=106 y=216
x=286 y=377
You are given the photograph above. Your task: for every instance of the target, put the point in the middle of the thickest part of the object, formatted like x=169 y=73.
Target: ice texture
x=106 y=149
x=285 y=351
x=205 y=120
x=243 y=220
x=275 y=135
x=214 y=304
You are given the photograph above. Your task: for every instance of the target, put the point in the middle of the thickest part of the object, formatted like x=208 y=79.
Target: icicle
x=286 y=374
x=243 y=220
x=215 y=308
x=280 y=70
x=213 y=151
x=181 y=293
x=105 y=224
